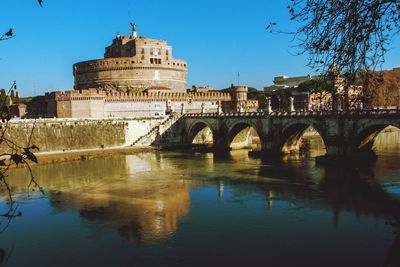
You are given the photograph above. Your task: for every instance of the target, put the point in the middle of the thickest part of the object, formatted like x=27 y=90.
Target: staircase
x=157 y=130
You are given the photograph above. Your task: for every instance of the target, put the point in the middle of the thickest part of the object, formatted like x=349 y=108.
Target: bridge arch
x=240 y=134
x=293 y=133
x=366 y=135
x=200 y=127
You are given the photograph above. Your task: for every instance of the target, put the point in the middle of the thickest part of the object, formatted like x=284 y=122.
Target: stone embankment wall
x=75 y=134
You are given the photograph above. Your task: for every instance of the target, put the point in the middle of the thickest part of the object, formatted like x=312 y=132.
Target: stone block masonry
x=133 y=63
x=75 y=134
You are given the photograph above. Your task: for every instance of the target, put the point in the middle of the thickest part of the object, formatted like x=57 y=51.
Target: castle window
x=142 y=50
x=155 y=60
x=167 y=52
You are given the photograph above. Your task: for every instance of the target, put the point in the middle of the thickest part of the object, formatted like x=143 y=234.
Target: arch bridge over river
x=343 y=133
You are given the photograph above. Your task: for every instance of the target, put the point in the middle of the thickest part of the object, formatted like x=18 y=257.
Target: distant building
x=282 y=82
x=383 y=92
x=18 y=109
x=239 y=101
x=285 y=89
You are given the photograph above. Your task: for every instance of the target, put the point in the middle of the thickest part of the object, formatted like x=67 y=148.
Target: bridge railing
x=299 y=113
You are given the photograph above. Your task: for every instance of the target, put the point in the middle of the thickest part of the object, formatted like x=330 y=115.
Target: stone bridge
x=343 y=133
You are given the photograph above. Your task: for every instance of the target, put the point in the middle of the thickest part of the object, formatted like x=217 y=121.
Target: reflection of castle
x=141 y=205
x=137 y=77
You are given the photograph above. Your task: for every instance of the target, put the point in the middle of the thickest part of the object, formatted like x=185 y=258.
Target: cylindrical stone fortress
x=133 y=64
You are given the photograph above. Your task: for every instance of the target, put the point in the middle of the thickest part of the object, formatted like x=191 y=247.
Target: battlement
x=147 y=41
x=89 y=94
x=164 y=96
x=94 y=94
x=126 y=38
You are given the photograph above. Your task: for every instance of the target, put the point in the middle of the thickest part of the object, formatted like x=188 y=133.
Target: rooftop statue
x=133 y=25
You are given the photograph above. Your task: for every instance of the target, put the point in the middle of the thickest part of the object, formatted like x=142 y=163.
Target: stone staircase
x=149 y=137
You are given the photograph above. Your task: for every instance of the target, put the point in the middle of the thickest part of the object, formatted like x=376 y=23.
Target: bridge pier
x=220 y=142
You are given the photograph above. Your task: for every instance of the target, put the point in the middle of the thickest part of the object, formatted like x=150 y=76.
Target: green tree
x=318 y=85
x=3 y=95
x=17 y=100
x=12 y=95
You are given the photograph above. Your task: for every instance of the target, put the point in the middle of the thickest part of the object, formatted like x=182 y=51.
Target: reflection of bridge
x=343 y=133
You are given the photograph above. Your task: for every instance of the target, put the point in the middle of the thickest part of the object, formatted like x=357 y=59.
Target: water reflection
x=340 y=189
x=145 y=195
x=141 y=196
x=152 y=198
x=137 y=217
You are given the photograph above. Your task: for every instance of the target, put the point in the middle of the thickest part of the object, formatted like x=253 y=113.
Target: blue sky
x=218 y=39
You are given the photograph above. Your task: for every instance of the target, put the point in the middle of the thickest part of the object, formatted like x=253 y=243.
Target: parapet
x=164 y=96
x=76 y=94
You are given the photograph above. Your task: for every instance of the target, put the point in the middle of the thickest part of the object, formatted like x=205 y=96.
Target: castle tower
x=133 y=63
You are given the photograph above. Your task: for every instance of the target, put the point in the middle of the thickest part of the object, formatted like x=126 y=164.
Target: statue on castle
x=133 y=26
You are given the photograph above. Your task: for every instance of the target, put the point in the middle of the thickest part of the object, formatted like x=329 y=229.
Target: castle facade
x=133 y=63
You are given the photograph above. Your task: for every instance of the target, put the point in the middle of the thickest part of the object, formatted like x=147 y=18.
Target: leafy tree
x=17 y=97
x=252 y=93
x=318 y=85
x=3 y=95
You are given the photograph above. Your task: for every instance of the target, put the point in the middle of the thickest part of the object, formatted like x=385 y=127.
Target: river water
x=201 y=209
